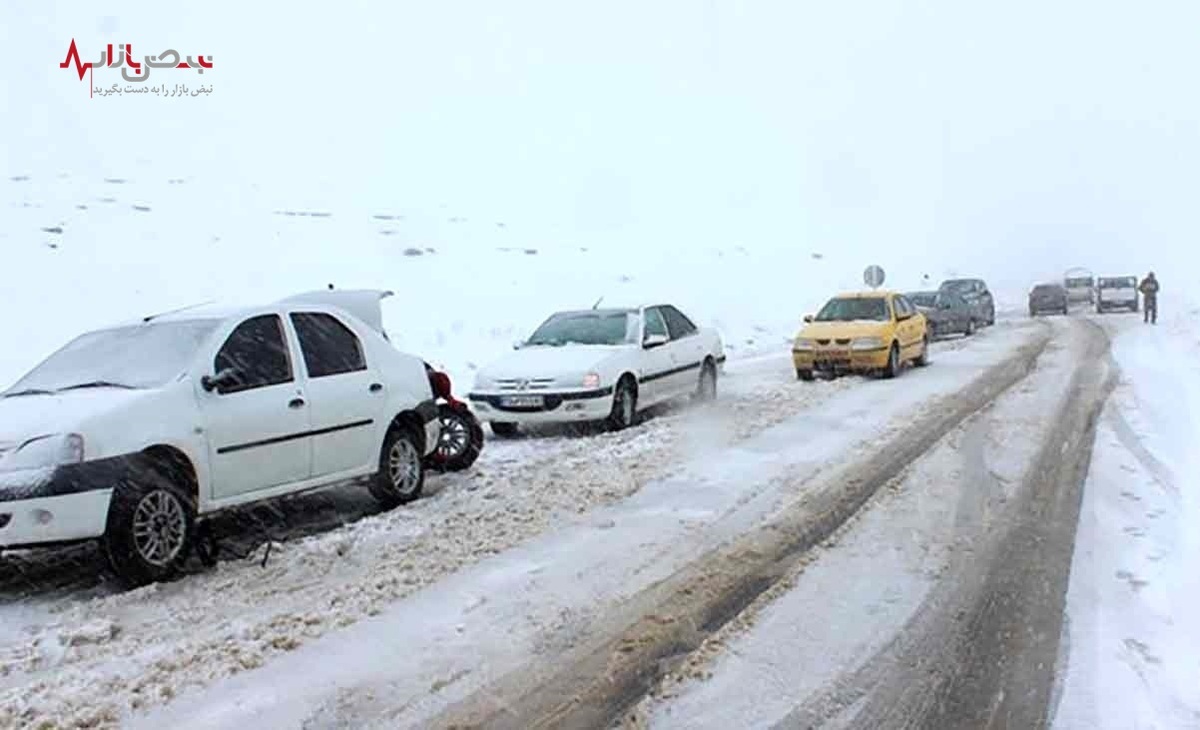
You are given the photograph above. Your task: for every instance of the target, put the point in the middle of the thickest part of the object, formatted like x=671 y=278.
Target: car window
x=678 y=324
x=257 y=353
x=329 y=346
x=904 y=307
x=850 y=309
x=655 y=324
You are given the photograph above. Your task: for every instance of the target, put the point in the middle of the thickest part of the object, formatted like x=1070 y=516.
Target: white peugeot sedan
x=599 y=365
x=131 y=434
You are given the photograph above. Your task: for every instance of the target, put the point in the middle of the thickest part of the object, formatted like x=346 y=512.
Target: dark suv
x=976 y=292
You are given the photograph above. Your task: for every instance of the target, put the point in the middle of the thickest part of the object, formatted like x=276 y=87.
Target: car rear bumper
x=37 y=509
x=840 y=360
x=557 y=407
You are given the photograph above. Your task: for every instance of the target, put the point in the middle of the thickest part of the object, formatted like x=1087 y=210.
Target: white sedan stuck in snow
x=599 y=365
x=131 y=434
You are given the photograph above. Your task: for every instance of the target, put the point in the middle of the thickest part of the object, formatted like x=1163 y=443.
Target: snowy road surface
x=681 y=573
x=74 y=652
x=518 y=614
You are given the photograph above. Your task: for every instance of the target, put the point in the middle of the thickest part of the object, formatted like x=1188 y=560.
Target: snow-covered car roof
x=363 y=304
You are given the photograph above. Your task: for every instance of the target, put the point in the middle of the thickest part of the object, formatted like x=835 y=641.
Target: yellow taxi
x=862 y=332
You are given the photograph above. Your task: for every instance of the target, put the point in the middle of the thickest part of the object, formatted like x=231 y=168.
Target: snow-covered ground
x=568 y=586
x=1132 y=639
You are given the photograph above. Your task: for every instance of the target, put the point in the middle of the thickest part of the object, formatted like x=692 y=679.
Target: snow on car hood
x=25 y=416
x=548 y=362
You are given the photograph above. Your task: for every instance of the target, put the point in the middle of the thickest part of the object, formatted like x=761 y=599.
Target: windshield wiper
x=98 y=384
x=28 y=391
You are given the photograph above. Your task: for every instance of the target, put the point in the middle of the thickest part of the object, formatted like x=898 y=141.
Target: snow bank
x=1133 y=631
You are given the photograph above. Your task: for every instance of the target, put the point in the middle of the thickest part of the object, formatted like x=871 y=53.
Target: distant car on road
x=129 y=435
x=977 y=294
x=865 y=332
x=947 y=313
x=1080 y=285
x=1048 y=298
x=599 y=365
x=1117 y=292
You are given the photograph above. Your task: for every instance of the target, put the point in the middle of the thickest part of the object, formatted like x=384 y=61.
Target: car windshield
x=958 y=286
x=139 y=356
x=1118 y=282
x=586 y=328
x=847 y=309
x=1079 y=282
x=923 y=298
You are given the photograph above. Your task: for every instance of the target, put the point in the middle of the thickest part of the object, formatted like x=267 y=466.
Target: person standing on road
x=1149 y=290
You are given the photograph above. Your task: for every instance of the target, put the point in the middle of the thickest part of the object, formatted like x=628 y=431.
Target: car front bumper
x=557 y=407
x=37 y=508
x=840 y=360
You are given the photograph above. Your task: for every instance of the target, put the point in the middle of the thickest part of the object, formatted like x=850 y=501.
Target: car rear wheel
x=922 y=360
x=151 y=528
x=805 y=375
x=706 y=390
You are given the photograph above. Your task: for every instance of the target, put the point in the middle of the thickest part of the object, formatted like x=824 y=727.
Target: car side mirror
x=223 y=379
x=808 y=318
x=652 y=341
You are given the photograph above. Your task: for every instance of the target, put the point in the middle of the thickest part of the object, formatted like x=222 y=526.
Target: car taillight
x=440 y=382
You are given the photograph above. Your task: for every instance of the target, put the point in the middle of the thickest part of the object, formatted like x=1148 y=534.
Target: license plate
x=522 y=401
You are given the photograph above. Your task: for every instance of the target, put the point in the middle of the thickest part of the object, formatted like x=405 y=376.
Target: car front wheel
x=624 y=407
x=151 y=528
x=893 y=364
x=401 y=475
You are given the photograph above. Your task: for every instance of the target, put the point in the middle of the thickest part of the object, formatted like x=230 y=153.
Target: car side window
x=678 y=324
x=655 y=324
x=329 y=346
x=257 y=354
x=901 y=307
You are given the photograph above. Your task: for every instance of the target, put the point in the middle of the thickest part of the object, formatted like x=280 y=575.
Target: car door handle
x=296 y=403
x=376 y=387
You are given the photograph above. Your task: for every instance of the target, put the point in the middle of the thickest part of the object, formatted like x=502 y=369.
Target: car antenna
x=597 y=304
x=149 y=317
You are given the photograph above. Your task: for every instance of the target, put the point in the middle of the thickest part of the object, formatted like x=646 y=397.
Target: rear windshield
x=923 y=298
x=849 y=310
x=1080 y=282
x=1047 y=289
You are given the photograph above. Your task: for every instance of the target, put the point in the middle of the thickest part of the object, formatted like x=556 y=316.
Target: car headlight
x=866 y=343
x=804 y=343
x=591 y=380
x=40 y=452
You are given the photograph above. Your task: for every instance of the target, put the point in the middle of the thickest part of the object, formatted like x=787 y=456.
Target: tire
x=892 y=369
x=706 y=389
x=805 y=375
x=401 y=475
x=624 y=408
x=460 y=443
x=151 y=528
x=970 y=330
x=504 y=430
x=922 y=360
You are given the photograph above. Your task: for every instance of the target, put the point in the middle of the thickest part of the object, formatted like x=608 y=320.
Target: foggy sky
x=1000 y=137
